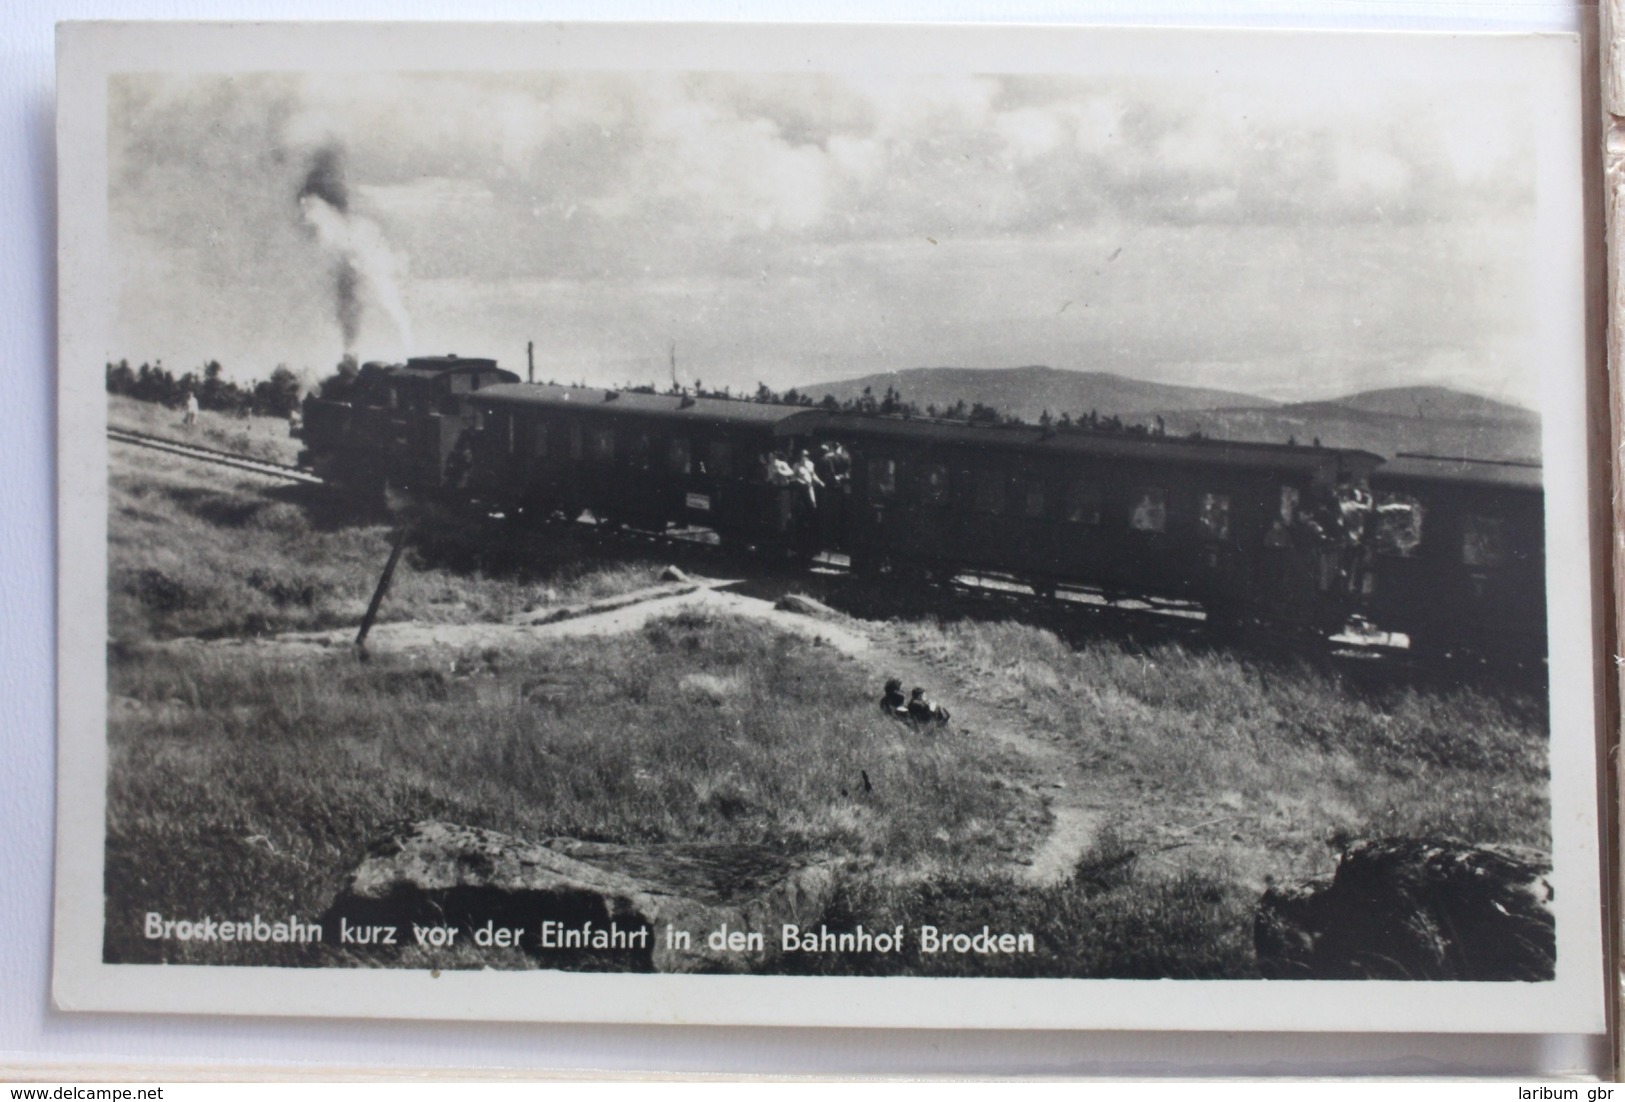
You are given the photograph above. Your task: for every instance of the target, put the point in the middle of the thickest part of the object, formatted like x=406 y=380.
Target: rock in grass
x=672 y=574
x=710 y=688
x=609 y=906
x=1410 y=908
x=803 y=605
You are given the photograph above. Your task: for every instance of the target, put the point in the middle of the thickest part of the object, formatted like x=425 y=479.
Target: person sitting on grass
x=925 y=712
x=894 y=703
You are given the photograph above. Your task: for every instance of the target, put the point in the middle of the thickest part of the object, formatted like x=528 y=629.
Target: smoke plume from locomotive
x=362 y=259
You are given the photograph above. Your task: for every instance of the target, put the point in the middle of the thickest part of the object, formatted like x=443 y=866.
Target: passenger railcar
x=644 y=460
x=1459 y=555
x=1230 y=526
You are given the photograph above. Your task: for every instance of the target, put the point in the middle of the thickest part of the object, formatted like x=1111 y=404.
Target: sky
x=1258 y=234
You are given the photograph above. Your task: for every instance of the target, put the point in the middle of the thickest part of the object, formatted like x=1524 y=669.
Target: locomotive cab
x=399 y=425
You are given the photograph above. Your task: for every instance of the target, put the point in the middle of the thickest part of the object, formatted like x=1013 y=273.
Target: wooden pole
x=395 y=550
x=530 y=361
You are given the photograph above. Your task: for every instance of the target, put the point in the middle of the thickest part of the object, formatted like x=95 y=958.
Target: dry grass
x=1286 y=748
x=239 y=787
x=261 y=437
x=1110 y=919
x=199 y=551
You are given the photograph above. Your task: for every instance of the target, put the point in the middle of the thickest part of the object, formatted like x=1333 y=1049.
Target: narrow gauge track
x=1183 y=617
x=213 y=455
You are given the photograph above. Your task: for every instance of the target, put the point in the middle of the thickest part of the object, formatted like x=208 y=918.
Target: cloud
x=799 y=223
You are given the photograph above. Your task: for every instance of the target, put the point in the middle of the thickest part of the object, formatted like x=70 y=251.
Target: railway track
x=220 y=458
x=1174 y=618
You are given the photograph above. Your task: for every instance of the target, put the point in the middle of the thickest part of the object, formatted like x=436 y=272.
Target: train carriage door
x=536 y=461
x=1215 y=555
x=933 y=518
x=1078 y=545
x=695 y=496
x=645 y=483
x=872 y=526
x=1030 y=509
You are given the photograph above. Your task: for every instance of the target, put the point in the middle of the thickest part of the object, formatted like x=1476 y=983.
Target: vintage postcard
x=1042 y=527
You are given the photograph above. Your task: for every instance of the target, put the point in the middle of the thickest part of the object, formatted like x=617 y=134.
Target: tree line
x=892 y=404
x=277 y=396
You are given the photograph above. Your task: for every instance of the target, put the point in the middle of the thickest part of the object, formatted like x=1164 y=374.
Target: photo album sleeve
x=982 y=527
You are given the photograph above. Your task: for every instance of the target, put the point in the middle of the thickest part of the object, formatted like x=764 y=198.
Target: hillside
x=1430 y=420
x=1433 y=401
x=1028 y=391
x=1434 y=420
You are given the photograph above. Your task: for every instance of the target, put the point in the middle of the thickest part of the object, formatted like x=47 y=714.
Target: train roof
x=676 y=407
x=796 y=420
x=1460 y=471
x=432 y=367
x=1109 y=445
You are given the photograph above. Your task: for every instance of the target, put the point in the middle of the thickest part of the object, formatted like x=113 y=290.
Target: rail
x=234 y=460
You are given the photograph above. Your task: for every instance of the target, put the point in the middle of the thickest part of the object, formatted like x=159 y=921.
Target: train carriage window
x=638 y=453
x=933 y=484
x=1032 y=499
x=1483 y=541
x=1398 y=525
x=459 y=384
x=1083 y=503
x=576 y=441
x=394 y=398
x=988 y=492
x=679 y=460
x=1150 y=512
x=507 y=422
x=882 y=477
x=603 y=445
x=538 y=440
x=719 y=459
x=479 y=420
x=1214 y=517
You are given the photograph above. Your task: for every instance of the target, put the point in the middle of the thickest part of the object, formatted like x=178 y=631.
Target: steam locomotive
x=1449 y=552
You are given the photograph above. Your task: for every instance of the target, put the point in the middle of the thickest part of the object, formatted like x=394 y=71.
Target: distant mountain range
x=1027 y=392
x=1432 y=420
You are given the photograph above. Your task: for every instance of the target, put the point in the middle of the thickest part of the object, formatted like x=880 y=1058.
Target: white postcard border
x=1573 y=1003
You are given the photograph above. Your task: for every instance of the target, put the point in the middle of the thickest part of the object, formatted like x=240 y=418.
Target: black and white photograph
x=874 y=526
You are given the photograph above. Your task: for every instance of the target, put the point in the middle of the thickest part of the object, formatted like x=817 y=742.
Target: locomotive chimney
x=530 y=360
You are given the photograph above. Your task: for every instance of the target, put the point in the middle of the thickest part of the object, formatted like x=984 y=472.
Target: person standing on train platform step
x=805 y=476
x=1354 y=506
x=779 y=476
x=840 y=467
x=190 y=418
